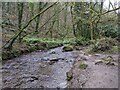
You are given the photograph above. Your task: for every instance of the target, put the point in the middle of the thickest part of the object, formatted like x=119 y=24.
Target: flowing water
x=37 y=70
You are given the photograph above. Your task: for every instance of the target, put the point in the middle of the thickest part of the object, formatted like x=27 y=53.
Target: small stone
x=42 y=65
x=71 y=60
x=69 y=75
x=97 y=54
x=84 y=58
x=34 y=78
x=110 y=63
x=53 y=52
x=109 y=58
x=51 y=62
x=67 y=61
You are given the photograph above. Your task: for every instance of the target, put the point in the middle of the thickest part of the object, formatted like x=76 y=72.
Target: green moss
x=83 y=65
x=114 y=49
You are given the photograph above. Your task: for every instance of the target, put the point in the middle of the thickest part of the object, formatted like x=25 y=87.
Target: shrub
x=104 y=44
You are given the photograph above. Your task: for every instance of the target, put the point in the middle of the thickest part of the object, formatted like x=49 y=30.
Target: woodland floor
x=42 y=69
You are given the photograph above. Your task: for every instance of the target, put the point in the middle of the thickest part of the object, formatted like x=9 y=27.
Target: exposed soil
x=100 y=75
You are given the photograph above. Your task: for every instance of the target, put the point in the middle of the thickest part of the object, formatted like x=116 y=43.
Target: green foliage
x=33 y=40
x=81 y=41
x=114 y=49
x=104 y=44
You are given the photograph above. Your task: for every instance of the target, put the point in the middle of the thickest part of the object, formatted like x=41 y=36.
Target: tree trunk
x=20 y=13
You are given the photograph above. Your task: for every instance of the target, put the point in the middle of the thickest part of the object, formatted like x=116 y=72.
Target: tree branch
x=11 y=41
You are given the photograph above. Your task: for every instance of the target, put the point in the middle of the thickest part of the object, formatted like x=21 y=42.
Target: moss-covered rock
x=83 y=65
x=67 y=48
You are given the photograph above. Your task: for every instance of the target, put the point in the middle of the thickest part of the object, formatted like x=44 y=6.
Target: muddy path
x=47 y=69
x=101 y=71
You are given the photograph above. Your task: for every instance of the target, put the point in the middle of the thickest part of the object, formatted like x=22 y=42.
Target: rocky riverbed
x=52 y=68
x=40 y=69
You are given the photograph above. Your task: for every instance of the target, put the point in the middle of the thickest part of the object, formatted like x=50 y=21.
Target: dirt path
x=98 y=74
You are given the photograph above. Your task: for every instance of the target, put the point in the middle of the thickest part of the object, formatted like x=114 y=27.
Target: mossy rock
x=67 y=48
x=69 y=75
x=83 y=65
x=77 y=48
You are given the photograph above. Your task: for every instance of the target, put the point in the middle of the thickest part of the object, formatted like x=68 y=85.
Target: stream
x=39 y=69
x=47 y=69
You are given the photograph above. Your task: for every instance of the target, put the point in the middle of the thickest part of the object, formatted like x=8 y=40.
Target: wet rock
x=110 y=63
x=109 y=58
x=42 y=65
x=71 y=60
x=53 y=52
x=84 y=58
x=34 y=78
x=68 y=48
x=69 y=75
x=97 y=62
x=98 y=55
x=54 y=59
x=45 y=59
x=83 y=65
x=63 y=85
x=41 y=86
x=51 y=62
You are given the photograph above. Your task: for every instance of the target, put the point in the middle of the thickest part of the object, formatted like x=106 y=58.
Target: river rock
x=109 y=58
x=54 y=59
x=98 y=55
x=110 y=63
x=51 y=62
x=53 y=52
x=84 y=58
x=68 y=48
x=69 y=75
x=98 y=62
